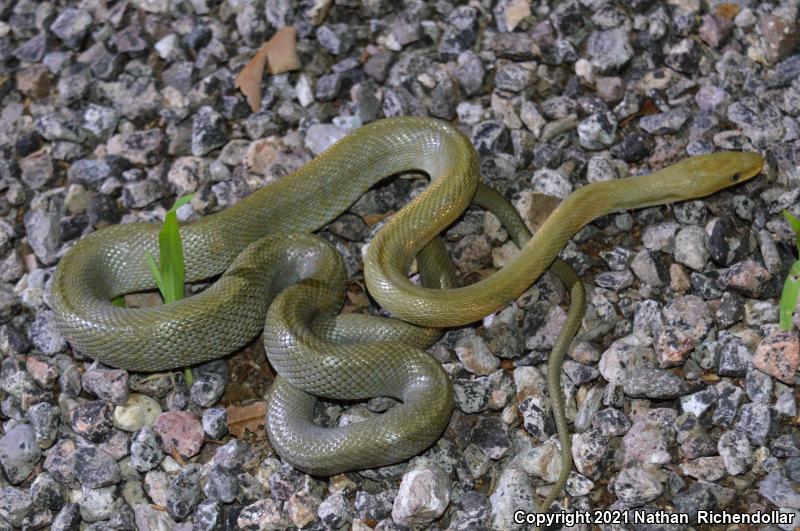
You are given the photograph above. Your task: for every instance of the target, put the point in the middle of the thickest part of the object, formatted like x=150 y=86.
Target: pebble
x=636 y=486
x=423 y=496
x=598 y=131
x=94 y=468
x=137 y=411
x=19 y=453
x=181 y=431
x=780 y=491
x=110 y=385
x=747 y=277
x=334 y=511
x=209 y=382
x=690 y=247
x=609 y=49
x=513 y=492
x=92 y=420
x=15 y=505
x=145 y=450
x=664 y=123
x=215 y=422
x=183 y=493
x=475 y=355
x=263 y=514
x=139 y=147
x=209 y=131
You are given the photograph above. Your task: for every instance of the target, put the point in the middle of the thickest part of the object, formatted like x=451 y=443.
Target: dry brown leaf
x=279 y=54
x=727 y=10
x=251 y=417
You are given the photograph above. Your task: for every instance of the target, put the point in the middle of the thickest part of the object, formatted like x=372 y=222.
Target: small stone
x=110 y=385
x=512 y=77
x=736 y=452
x=715 y=30
x=19 y=453
x=609 y=49
x=734 y=356
x=92 y=420
x=99 y=504
x=647 y=442
x=747 y=277
x=137 y=411
x=71 y=26
x=15 y=505
x=597 y=131
x=334 y=511
x=423 y=496
x=471 y=396
x=475 y=355
x=140 y=147
x=44 y=233
x=146 y=453
x=512 y=493
x=778 y=36
x=209 y=382
x=461 y=32
x=147 y=517
x=673 y=345
x=320 y=137
x=377 y=66
x=209 y=131
x=490 y=435
x=757 y=421
x=45 y=335
x=664 y=123
x=94 y=468
x=264 y=514
x=208 y=516
x=650 y=268
x=37 y=170
x=779 y=491
x=509 y=13
x=302 y=509
x=34 y=81
x=684 y=56
x=184 y=493
x=729 y=398
x=711 y=98
x=636 y=486
x=690 y=247
x=181 y=431
x=336 y=38
x=647 y=382
x=215 y=422
x=47 y=492
x=470 y=73
x=44 y=418
x=610 y=89
x=614 y=280
x=777 y=355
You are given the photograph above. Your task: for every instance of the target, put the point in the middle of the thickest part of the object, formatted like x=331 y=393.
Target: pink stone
x=42 y=372
x=180 y=430
x=778 y=355
x=672 y=347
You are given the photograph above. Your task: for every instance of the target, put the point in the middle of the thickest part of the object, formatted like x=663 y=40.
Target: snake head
x=704 y=175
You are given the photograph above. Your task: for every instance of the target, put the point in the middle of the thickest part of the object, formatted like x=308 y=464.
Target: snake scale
x=278 y=278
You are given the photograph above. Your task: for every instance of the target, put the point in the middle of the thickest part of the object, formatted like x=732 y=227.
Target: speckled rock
x=179 y=430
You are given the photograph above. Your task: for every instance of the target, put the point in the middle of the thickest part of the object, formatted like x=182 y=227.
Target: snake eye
x=735 y=177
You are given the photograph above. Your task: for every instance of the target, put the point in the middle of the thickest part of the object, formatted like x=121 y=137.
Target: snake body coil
x=271 y=268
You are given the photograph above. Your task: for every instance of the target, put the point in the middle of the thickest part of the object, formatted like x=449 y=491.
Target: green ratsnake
x=278 y=278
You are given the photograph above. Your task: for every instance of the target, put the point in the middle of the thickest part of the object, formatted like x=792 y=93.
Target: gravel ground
x=680 y=387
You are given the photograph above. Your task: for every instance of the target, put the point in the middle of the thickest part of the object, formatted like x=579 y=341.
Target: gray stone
x=71 y=26
x=209 y=131
x=19 y=453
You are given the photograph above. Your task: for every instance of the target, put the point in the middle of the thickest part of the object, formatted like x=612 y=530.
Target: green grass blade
x=791 y=290
x=151 y=263
x=181 y=201
x=119 y=301
x=172 y=268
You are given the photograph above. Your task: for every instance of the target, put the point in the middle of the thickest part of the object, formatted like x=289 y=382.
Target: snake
x=272 y=275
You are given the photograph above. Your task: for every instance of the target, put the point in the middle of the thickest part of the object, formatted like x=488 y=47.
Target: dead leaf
x=251 y=417
x=279 y=54
x=648 y=108
x=727 y=10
